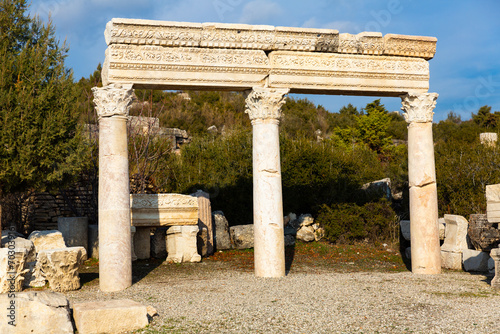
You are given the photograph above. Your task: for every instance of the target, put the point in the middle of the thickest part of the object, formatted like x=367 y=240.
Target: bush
x=349 y=222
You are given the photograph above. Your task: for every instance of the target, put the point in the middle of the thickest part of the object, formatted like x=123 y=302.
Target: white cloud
x=260 y=12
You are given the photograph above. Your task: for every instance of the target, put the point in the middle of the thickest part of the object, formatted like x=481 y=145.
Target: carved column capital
x=112 y=100
x=419 y=108
x=265 y=103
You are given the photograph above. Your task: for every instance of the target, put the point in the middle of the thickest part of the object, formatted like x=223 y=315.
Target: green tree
x=373 y=126
x=39 y=133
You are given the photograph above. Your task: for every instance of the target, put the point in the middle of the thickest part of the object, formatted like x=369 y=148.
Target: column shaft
x=115 y=263
x=264 y=109
x=424 y=230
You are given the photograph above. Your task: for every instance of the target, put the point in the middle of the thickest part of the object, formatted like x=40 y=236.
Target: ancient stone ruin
x=268 y=63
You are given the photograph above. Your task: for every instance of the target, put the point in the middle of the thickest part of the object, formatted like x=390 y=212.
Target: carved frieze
x=306 y=39
x=163 y=209
x=410 y=46
x=308 y=71
x=419 y=108
x=265 y=103
x=237 y=36
x=113 y=100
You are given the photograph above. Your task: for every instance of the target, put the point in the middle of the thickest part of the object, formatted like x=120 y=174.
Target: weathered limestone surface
x=264 y=110
x=493 y=203
x=221 y=236
x=181 y=244
x=74 y=231
x=214 y=55
x=242 y=236
x=205 y=221
x=111 y=316
x=142 y=243
x=163 y=210
x=12 y=269
x=50 y=239
x=455 y=242
x=14 y=241
x=115 y=263
x=495 y=255
x=474 y=260
x=37 y=312
x=425 y=250
x=60 y=267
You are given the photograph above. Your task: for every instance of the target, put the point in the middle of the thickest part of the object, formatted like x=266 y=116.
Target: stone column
x=264 y=110
x=115 y=263
x=205 y=222
x=424 y=230
x=495 y=255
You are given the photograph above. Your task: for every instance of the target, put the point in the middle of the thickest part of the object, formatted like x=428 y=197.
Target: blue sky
x=465 y=71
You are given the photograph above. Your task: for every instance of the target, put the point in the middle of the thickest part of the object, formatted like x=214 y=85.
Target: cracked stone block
x=50 y=239
x=60 y=267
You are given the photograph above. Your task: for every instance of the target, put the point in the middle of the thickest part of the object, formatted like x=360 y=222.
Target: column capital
x=113 y=100
x=418 y=108
x=265 y=103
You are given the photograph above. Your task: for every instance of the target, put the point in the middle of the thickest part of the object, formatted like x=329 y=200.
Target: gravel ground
x=215 y=297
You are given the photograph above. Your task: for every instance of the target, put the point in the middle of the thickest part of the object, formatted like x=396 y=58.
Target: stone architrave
x=110 y=316
x=142 y=243
x=222 y=240
x=12 y=269
x=115 y=264
x=74 y=231
x=495 y=255
x=44 y=240
x=36 y=312
x=264 y=109
x=163 y=210
x=425 y=249
x=181 y=244
x=205 y=221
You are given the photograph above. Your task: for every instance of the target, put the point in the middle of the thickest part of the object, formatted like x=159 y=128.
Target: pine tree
x=39 y=132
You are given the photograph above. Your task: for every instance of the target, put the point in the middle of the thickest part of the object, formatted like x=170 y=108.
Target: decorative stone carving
x=493 y=203
x=265 y=103
x=12 y=269
x=44 y=240
x=181 y=244
x=410 y=46
x=113 y=100
x=419 y=108
x=242 y=36
x=60 y=267
x=306 y=39
x=332 y=73
x=163 y=210
x=495 y=255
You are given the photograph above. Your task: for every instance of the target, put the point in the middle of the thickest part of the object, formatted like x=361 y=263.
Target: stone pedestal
x=142 y=243
x=264 y=110
x=495 y=255
x=115 y=263
x=425 y=250
x=74 y=231
x=181 y=244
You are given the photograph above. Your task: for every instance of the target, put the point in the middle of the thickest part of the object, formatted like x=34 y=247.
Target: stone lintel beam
x=264 y=109
x=115 y=263
x=425 y=249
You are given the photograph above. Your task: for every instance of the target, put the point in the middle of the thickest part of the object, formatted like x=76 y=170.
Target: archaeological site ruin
x=267 y=63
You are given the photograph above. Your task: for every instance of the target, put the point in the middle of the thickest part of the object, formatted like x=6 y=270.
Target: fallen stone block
x=75 y=231
x=112 y=316
x=242 y=236
x=405 y=229
x=306 y=234
x=474 y=260
x=221 y=237
x=491 y=265
x=451 y=260
x=37 y=312
x=60 y=267
x=442 y=228
x=181 y=244
x=12 y=269
x=20 y=242
x=289 y=240
x=456 y=234
x=44 y=240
